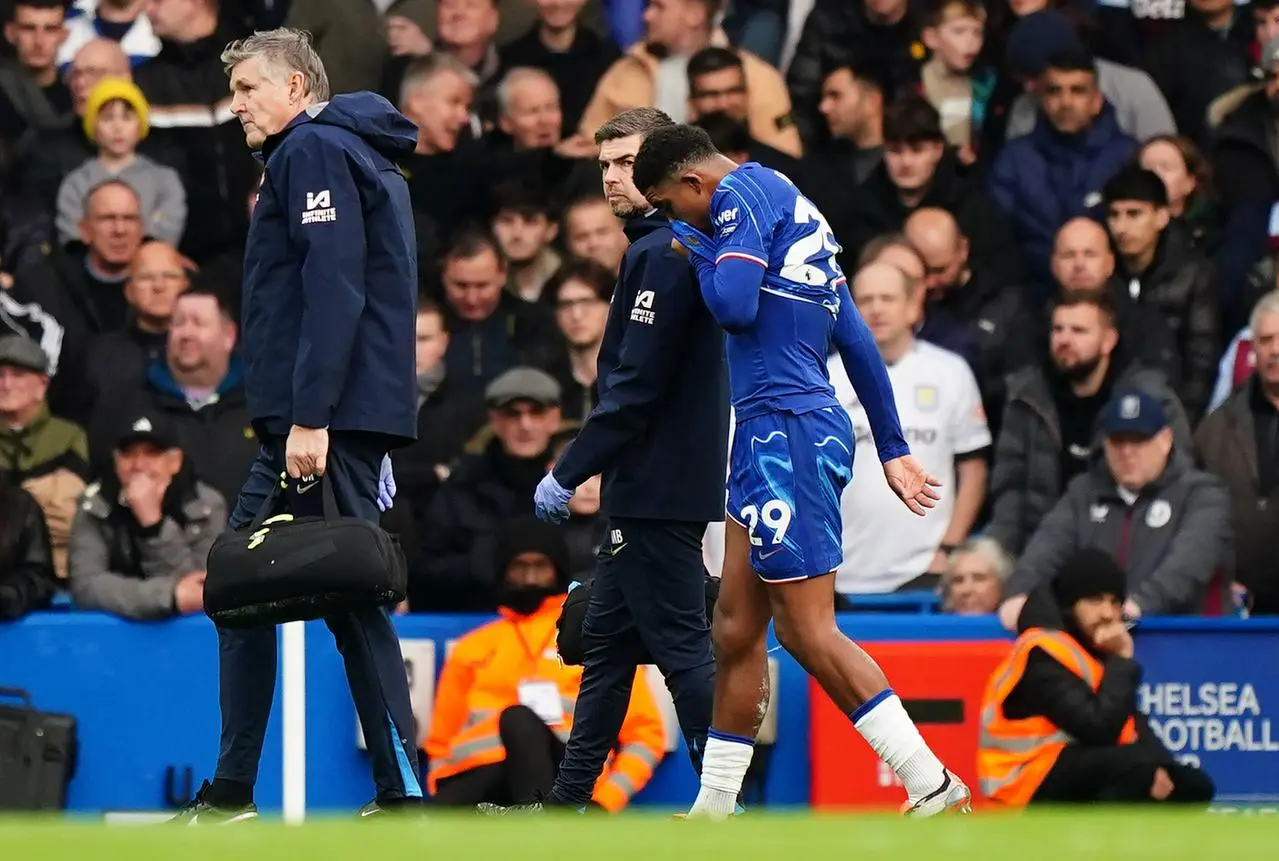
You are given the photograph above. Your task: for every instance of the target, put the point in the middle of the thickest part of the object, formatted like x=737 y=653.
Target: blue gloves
x=385 y=485
x=550 y=501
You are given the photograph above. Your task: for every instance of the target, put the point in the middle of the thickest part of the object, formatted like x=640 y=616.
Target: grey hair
x=284 y=49
x=514 y=78
x=1267 y=304
x=423 y=69
x=636 y=121
x=989 y=550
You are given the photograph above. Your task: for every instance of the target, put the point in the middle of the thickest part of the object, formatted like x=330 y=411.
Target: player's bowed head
x=678 y=169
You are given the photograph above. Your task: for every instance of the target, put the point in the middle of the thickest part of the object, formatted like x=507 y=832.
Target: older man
x=329 y=299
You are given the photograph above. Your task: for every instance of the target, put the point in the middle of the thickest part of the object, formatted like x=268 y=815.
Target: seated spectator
x=951 y=80
x=973 y=583
x=456 y=568
x=47 y=456
x=1160 y=267
x=717 y=85
x=584 y=529
x=448 y=414
x=186 y=88
x=197 y=388
x=963 y=286
x=1056 y=172
x=524 y=229
x=27 y=580
x=1059 y=717
x=581 y=291
x=122 y=20
x=528 y=146
x=504 y=704
x=142 y=535
x=919 y=171
x=120 y=359
x=653 y=73
x=1049 y=429
x=490 y=328
x=1191 y=192
x=1145 y=505
x=465 y=29
x=33 y=96
x=883 y=35
x=592 y=232
x=852 y=108
x=944 y=424
x=1140 y=110
x=575 y=56
x=1237 y=443
x=115 y=119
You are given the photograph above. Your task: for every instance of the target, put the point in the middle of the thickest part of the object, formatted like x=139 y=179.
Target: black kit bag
x=288 y=569
x=37 y=754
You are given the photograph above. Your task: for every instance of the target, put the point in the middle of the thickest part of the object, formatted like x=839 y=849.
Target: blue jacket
x=659 y=434
x=1044 y=179
x=330 y=275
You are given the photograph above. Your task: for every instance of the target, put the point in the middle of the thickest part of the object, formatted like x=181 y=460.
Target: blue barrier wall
x=145 y=696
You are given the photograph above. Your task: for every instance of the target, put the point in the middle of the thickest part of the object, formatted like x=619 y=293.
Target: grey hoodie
x=164 y=200
x=1140 y=109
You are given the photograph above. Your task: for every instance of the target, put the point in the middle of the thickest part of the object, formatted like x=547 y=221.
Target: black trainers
x=400 y=808
x=201 y=812
x=486 y=809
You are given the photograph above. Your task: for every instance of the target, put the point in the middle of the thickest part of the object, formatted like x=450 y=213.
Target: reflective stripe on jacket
x=1014 y=756
x=481 y=678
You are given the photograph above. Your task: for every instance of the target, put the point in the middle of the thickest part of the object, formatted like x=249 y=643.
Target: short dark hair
x=911 y=119
x=426 y=304
x=880 y=243
x=522 y=197
x=587 y=272
x=636 y=121
x=937 y=11
x=712 y=59
x=667 y=151
x=1071 y=60
x=36 y=4
x=593 y=198
x=866 y=74
x=471 y=241
x=1135 y=183
x=198 y=290
x=726 y=133
x=1098 y=298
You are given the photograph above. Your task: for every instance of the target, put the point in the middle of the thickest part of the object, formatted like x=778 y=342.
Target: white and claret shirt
x=885 y=545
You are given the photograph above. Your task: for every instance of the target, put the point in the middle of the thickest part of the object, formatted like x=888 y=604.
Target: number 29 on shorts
x=774 y=514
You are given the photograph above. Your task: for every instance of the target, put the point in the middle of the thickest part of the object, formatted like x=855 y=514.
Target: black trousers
x=533 y=753
x=366 y=639
x=648 y=605
x=1120 y=773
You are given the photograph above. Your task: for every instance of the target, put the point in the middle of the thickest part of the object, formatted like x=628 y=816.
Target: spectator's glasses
x=568 y=306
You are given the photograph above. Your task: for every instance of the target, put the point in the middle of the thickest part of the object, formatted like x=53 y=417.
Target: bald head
x=156 y=279
x=883 y=296
x=97 y=59
x=943 y=246
x=1082 y=259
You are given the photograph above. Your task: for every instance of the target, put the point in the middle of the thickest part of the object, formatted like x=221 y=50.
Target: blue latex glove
x=550 y=501
x=697 y=243
x=385 y=485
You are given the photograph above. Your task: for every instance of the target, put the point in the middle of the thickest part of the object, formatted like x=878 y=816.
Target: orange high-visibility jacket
x=1014 y=756
x=481 y=678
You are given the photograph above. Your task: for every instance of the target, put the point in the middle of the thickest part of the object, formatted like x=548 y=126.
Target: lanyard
x=534 y=657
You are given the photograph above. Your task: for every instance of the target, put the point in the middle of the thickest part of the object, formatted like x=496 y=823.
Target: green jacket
x=46 y=443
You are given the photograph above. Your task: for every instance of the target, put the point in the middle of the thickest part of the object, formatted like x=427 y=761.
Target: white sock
x=724 y=765
x=883 y=722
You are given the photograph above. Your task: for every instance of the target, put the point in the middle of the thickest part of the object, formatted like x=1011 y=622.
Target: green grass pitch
x=1085 y=835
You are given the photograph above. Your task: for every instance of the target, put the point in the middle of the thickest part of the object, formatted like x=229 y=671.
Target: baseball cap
x=145 y=427
x=22 y=352
x=1133 y=413
x=523 y=384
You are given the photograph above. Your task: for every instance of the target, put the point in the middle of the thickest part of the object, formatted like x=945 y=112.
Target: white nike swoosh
x=303 y=488
x=370 y=812
x=618 y=549
x=771 y=553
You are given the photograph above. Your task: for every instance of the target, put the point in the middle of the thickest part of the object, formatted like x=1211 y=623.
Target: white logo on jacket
x=319 y=207
x=643 y=310
x=1159 y=513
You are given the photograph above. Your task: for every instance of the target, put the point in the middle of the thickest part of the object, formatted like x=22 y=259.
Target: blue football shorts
x=787 y=473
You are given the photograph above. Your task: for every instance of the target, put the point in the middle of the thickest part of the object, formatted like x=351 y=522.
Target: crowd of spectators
x=1060 y=221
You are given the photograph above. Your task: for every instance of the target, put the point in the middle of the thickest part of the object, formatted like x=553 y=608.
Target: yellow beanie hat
x=108 y=90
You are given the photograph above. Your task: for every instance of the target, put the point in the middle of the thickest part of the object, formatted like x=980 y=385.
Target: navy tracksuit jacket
x=327 y=339
x=659 y=437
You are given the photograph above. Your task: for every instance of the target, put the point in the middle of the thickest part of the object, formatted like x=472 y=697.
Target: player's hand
x=912 y=483
x=1010 y=610
x=550 y=500
x=1114 y=638
x=1162 y=786
x=306 y=452
x=188 y=593
x=385 y=485
x=679 y=248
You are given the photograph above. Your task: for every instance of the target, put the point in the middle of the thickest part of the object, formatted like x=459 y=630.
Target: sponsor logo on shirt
x=319 y=208
x=642 y=312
